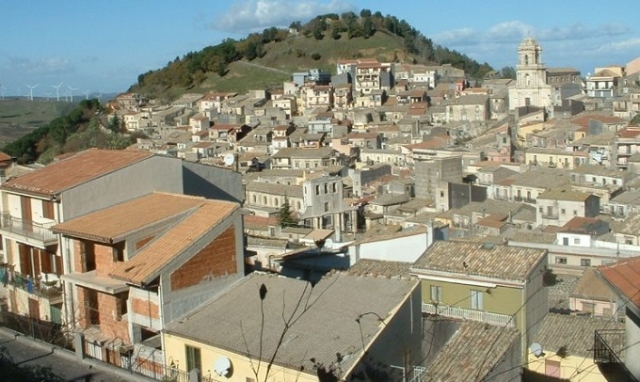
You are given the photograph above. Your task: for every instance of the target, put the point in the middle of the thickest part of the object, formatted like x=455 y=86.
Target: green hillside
x=18 y=117
x=264 y=60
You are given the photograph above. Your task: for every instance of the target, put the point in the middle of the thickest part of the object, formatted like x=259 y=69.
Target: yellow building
x=495 y=284
x=271 y=328
x=563 y=347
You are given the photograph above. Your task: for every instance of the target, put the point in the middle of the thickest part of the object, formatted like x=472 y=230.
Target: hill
x=81 y=128
x=265 y=60
x=20 y=116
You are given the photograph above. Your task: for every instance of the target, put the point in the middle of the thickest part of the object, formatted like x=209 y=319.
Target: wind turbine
x=71 y=89
x=48 y=94
x=86 y=94
x=57 y=91
x=1 y=91
x=31 y=90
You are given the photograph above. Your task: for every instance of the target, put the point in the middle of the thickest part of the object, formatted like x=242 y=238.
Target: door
x=25 y=207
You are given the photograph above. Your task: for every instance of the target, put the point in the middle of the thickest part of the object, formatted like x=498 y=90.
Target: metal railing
x=468 y=314
x=30 y=229
x=609 y=350
x=46 y=289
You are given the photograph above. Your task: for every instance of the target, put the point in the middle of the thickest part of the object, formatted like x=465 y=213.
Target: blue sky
x=103 y=46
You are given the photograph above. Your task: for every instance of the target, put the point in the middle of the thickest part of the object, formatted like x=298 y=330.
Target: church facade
x=531 y=87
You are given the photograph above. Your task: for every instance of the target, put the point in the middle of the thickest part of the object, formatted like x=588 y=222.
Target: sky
x=92 y=47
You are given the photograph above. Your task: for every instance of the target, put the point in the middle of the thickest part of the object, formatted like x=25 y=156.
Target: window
x=47 y=209
x=335 y=187
x=563 y=211
x=193 y=358
x=318 y=190
x=585 y=262
x=576 y=240
x=561 y=260
x=436 y=293
x=575 y=212
x=326 y=188
x=476 y=300
x=326 y=207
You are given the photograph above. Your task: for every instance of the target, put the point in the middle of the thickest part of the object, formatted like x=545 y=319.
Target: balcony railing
x=49 y=289
x=472 y=315
x=30 y=229
x=609 y=353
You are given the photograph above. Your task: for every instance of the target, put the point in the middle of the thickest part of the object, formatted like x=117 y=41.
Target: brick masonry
x=106 y=312
x=216 y=259
x=145 y=308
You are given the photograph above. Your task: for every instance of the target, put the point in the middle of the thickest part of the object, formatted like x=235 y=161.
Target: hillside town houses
x=382 y=221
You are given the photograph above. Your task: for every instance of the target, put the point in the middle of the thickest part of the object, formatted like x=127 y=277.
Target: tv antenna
x=31 y=87
x=57 y=91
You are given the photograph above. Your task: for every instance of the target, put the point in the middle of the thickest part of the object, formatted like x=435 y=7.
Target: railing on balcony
x=33 y=230
x=609 y=353
x=49 y=289
x=468 y=314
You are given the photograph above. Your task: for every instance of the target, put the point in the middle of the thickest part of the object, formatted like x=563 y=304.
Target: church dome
x=529 y=41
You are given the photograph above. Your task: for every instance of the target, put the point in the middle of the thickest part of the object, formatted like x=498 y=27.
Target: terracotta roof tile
x=624 y=276
x=590 y=286
x=124 y=218
x=474 y=350
x=75 y=170
x=145 y=265
x=485 y=260
x=573 y=332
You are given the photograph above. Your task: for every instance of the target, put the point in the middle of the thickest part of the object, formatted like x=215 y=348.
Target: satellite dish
x=229 y=159
x=328 y=244
x=536 y=349
x=222 y=366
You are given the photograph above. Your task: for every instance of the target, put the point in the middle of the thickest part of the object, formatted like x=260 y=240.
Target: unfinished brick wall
x=216 y=259
x=111 y=324
x=145 y=308
x=104 y=256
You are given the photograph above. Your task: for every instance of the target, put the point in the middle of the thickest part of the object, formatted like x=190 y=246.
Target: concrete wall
x=412 y=248
x=156 y=173
x=632 y=341
x=212 y=182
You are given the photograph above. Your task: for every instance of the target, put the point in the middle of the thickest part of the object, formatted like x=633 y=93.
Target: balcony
x=609 y=352
x=49 y=289
x=38 y=232
x=468 y=314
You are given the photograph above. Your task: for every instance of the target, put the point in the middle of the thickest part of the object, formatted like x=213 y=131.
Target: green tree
x=367 y=28
x=508 y=72
x=335 y=33
x=285 y=215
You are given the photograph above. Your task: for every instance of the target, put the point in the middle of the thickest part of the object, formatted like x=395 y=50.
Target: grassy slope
x=294 y=54
x=18 y=117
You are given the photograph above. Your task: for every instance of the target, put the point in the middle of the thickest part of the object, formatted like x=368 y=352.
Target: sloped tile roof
x=592 y=287
x=144 y=266
x=624 y=276
x=328 y=326
x=480 y=259
x=128 y=217
x=573 y=332
x=75 y=170
x=369 y=267
x=472 y=352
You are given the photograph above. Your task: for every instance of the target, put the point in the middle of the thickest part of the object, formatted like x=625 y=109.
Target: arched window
x=527 y=80
x=526 y=59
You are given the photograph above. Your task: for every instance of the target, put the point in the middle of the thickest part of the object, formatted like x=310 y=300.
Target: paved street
x=25 y=351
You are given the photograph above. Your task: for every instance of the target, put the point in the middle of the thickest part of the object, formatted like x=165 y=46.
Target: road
x=263 y=67
x=26 y=351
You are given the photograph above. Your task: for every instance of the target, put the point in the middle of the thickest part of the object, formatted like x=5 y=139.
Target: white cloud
x=40 y=66
x=508 y=31
x=252 y=15
x=458 y=37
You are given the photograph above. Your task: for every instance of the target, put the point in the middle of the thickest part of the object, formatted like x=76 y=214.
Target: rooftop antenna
x=31 y=90
x=57 y=91
x=71 y=89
